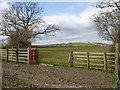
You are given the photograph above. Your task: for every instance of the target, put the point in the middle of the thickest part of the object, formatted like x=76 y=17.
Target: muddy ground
x=42 y=76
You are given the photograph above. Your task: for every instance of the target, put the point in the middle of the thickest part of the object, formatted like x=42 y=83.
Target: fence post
x=12 y=53
x=28 y=55
x=117 y=56
x=35 y=54
x=7 y=54
x=17 y=56
x=70 y=58
x=105 y=62
x=1 y=54
x=88 y=64
x=117 y=65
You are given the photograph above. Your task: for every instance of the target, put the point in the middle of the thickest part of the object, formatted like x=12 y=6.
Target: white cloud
x=73 y=28
x=3 y=5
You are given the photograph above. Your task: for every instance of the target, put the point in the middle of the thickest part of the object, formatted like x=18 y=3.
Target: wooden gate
x=20 y=55
x=93 y=60
x=33 y=54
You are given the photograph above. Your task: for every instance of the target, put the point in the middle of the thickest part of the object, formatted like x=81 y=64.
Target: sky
x=74 y=20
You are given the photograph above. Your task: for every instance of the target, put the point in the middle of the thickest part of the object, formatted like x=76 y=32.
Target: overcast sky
x=74 y=20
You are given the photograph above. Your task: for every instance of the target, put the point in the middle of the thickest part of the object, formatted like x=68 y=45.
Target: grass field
x=60 y=55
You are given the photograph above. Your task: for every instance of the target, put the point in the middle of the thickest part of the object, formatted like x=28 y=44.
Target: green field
x=60 y=55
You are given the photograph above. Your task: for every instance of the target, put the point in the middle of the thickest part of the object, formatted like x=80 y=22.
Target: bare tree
x=22 y=22
x=108 y=20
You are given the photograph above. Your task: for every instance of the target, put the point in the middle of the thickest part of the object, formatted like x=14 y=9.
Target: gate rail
x=93 y=60
x=28 y=55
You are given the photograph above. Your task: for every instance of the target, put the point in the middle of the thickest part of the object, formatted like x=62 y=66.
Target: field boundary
x=92 y=60
x=15 y=55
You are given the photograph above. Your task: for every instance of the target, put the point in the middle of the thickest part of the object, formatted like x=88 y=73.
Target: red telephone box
x=33 y=54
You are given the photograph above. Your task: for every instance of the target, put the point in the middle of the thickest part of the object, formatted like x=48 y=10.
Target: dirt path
x=40 y=76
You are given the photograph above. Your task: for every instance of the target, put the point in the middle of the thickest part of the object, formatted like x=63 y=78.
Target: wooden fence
x=16 y=55
x=105 y=61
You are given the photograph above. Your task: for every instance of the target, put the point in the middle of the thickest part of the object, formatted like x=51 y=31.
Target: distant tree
x=23 y=22
x=108 y=20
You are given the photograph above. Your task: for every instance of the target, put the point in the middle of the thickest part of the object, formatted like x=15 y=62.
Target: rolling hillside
x=76 y=44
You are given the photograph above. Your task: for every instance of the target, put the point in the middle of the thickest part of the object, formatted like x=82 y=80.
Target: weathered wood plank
x=80 y=63
x=96 y=60
x=91 y=64
x=80 y=59
x=22 y=49
x=79 y=56
x=111 y=61
x=14 y=60
x=110 y=56
x=23 y=54
x=12 y=49
x=79 y=52
x=10 y=57
x=96 y=53
x=96 y=57
x=109 y=53
x=23 y=61
x=22 y=57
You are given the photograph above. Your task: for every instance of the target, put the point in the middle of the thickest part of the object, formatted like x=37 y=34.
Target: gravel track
x=42 y=76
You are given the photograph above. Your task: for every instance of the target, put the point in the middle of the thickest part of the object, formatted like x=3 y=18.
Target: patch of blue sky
x=54 y=8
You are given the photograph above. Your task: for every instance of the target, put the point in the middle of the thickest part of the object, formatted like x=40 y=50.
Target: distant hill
x=76 y=44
